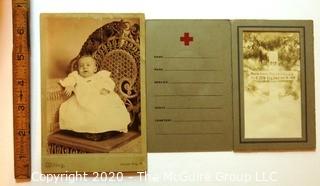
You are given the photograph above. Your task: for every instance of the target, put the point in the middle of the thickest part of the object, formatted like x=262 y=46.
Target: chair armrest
x=54 y=97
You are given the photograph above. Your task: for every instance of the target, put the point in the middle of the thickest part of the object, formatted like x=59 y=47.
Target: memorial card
x=274 y=85
x=206 y=95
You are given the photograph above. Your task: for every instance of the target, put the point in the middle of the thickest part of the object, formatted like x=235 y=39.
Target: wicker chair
x=116 y=47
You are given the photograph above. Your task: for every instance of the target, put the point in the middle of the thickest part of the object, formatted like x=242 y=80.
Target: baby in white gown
x=94 y=107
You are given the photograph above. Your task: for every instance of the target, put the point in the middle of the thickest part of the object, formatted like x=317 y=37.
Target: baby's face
x=87 y=66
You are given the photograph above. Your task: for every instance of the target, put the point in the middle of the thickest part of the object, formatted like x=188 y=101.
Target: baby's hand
x=104 y=91
x=68 y=90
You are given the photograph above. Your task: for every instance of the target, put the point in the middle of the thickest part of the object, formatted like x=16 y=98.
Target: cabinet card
x=93 y=98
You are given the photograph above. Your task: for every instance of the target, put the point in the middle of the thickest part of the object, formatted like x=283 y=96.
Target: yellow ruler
x=21 y=89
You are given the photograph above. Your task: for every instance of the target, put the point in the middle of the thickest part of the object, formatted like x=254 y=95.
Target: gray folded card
x=217 y=85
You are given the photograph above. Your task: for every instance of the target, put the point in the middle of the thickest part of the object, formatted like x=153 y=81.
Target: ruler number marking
x=22 y=132
x=21 y=108
x=20 y=30
x=20 y=82
x=20 y=57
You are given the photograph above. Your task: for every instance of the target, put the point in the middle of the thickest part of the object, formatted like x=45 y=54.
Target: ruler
x=21 y=89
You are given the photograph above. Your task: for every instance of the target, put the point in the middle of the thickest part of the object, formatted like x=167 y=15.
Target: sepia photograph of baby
x=92 y=84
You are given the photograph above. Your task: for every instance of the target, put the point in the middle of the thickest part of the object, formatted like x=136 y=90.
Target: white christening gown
x=88 y=110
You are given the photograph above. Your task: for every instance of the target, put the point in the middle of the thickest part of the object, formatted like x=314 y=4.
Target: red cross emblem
x=186 y=39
